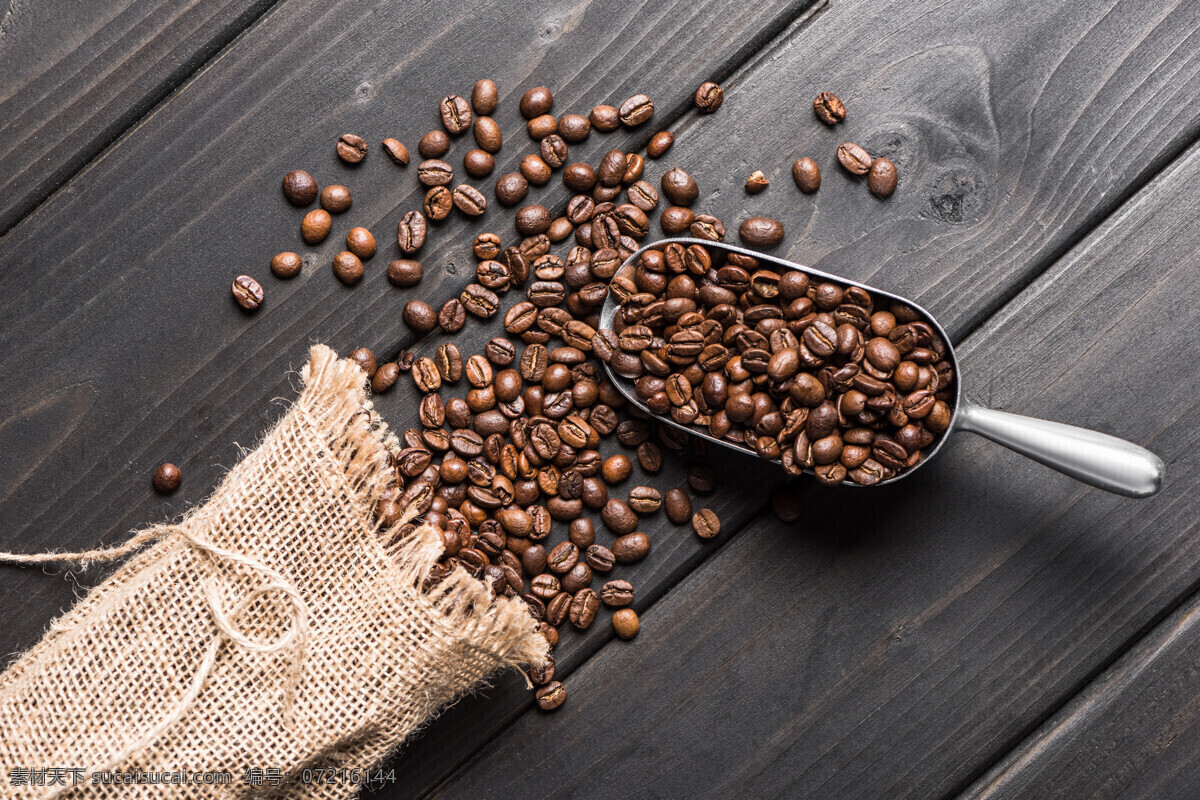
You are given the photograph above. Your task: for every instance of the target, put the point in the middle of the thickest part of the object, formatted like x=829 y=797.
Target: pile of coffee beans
x=508 y=456
x=817 y=374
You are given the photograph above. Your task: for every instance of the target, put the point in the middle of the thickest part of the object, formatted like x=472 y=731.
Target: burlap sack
x=270 y=630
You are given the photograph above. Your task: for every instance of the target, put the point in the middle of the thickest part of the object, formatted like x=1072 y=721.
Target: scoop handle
x=1095 y=458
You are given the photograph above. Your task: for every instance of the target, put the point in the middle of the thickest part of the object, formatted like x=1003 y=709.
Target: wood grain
x=74 y=75
x=896 y=645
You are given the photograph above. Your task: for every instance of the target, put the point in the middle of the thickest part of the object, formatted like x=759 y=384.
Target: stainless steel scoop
x=1104 y=461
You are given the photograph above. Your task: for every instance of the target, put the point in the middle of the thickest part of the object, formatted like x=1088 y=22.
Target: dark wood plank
x=896 y=645
x=1132 y=734
x=74 y=75
x=139 y=354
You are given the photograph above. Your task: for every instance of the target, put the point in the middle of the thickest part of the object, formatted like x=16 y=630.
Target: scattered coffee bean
x=709 y=97
x=351 y=148
x=636 y=110
x=631 y=547
x=678 y=506
x=535 y=170
x=541 y=126
x=469 y=200
x=299 y=187
x=315 y=226
x=679 y=187
x=625 y=623
x=536 y=101
x=605 y=119
x=828 y=108
x=854 y=158
x=574 y=128
x=385 y=377
x=807 y=175
x=756 y=182
x=434 y=172
x=551 y=696
x=166 y=478
x=478 y=163
x=456 y=114
x=247 y=292
x=419 y=316
x=706 y=523
x=584 y=606
x=286 y=265
x=347 y=267
x=438 y=204
x=761 y=232
x=404 y=272
x=881 y=179
x=336 y=199
x=617 y=594
x=396 y=151
x=360 y=242
x=511 y=188
x=659 y=144
x=484 y=96
x=410 y=233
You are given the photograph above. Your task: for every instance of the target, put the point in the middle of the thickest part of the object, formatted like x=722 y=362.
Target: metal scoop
x=1095 y=458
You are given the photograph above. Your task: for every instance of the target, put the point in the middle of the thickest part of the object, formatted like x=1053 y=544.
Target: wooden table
x=985 y=629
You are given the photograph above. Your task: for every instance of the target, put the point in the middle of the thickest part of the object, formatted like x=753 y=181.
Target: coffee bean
x=396 y=151
x=438 y=203
x=584 y=606
x=636 y=110
x=410 y=233
x=829 y=108
x=659 y=144
x=469 y=200
x=536 y=101
x=617 y=594
x=360 y=242
x=456 y=113
x=551 y=696
x=679 y=187
x=404 y=272
x=486 y=246
x=511 y=188
x=678 y=506
x=247 y=292
x=478 y=163
x=618 y=517
x=351 y=148
x=625 y=623
x=532 y=220
x=479 y=301
x=761 y=231
x=757 y=182
x=434 y=144
x=434 y=172
x=166 y=478
x=706 y=523
x=605 y=118
x=574 y=128
x=881 y=179
x=854 y=158
x=347 y=267
x=631 y=548
x=554 y=151
x=807 y=175
x=419 y=316
x=616 y=469
x=541 y=126
x=315 y=226
x=286 y=265
x=299 y=187
x=425 y=375
x=535 y=170
x=484 y=96
x=385 y=377
x=645 y=499
x=709 y=97
x=706 y=226
x=676 y=219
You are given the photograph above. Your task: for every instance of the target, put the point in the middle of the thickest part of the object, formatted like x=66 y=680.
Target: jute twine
x=270 y=629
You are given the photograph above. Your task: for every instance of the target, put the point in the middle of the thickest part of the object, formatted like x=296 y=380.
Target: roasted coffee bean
x=618 y=517
x=166 y=479
x=536 y=101
x=678 y=506
x=828 y=108
x=479 y=301
x=511 y=188
x=761 y=231
x=347 y=267
x=562 y=558
x=365 y=359
x=807 y=175
x=486 y=246
x=636 y=110
x=247 y=292
x=286 y=265
x=438 y=203
x=579 y=578
x=612 y=168
x=679 y=187
x=434 y=172
x=631 y=548
x=360 y=242
x=854 y=158
x=645 y=499
x=434 y=144
x=315 y=226
x=396 y=151
x=707 y=227
x=404 y=272
x=574 y=128
x=541 y=126
x=478 y=163
x=532 y=220
x=616 y=469
x=757 y=182
x=702 y=479
x=553 y=150
x=535 y=170
x=456 y=113
x=551 y=696
x=617 y=594
x=484 y=96
x=419 y=316
x=709 y=97
x=336 y=199
x=584 y=606
x=579 y=177
x=625 y=623
x=881 y=179
x=469 y=200
x=410 y=233
x=676 y=219
x=351 y=148
x=605 y=118
x=299 y=187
